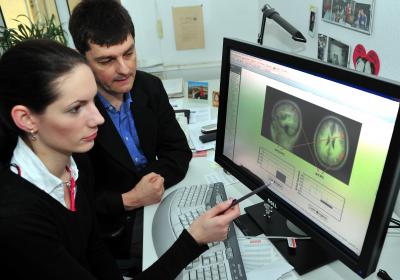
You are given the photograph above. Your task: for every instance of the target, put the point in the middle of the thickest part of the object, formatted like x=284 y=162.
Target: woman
x=47 y=223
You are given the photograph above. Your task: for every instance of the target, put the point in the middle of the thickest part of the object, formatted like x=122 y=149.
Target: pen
x=263 y=187
x=383 y=275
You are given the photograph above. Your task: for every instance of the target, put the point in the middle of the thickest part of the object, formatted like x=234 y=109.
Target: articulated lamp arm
x=269 y=12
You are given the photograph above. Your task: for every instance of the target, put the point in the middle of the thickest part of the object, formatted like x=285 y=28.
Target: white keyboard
x=176 y=212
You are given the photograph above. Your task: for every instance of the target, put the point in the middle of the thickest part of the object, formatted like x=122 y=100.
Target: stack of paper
x=173 y=87
x=194 y=134
x=183 y=122
x=261 y=260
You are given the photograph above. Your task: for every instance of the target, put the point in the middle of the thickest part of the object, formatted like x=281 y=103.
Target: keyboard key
x=214 y=264
x=193 y=275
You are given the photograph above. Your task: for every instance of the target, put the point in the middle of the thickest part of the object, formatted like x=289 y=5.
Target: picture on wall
x=311 y=24
x=338 y=53
x=366 y=62
x=322 y=43
x=353 y=14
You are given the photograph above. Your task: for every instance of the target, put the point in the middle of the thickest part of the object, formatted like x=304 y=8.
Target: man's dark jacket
x=162 y=141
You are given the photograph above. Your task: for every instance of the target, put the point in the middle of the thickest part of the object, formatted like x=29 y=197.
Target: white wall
x=144 y=16
x=236 y=18
x=222 y=18
x=385 y=37
x=63 y=13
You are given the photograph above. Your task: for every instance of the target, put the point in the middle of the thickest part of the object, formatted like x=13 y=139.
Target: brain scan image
x=331 y=143
x=286 y=123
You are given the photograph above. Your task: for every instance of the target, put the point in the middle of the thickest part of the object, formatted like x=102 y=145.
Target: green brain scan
x=331 y=143
x=286 y=123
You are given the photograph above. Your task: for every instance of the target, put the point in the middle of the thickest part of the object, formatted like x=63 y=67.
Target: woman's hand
x=213 y=225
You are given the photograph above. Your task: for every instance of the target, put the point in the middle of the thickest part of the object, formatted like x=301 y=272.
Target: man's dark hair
x=102 y=22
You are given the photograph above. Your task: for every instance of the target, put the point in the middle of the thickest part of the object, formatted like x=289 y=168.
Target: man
x=362 y=19
x=140 y=149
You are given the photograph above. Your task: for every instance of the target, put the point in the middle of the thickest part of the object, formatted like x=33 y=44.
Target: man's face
x=114 y=67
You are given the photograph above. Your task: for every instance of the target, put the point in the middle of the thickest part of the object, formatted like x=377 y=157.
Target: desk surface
x=200 y=167
x=189 y=103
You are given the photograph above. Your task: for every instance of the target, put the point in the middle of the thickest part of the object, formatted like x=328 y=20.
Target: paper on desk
x=272 y=271
x=257 y=252
x=182 y=120
x=176 y=103
x=260 y=258
x=195 y=132
x=220 y=176
x=173 y=87
x=200 y=114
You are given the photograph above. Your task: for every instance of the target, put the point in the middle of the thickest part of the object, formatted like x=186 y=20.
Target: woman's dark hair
x=102 y=22
x=28 y=74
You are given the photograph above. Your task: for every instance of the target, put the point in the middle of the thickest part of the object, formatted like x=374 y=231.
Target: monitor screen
x=326 y=136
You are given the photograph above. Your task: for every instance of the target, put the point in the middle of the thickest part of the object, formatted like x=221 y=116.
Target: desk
x=199 y=167
x=206 y=114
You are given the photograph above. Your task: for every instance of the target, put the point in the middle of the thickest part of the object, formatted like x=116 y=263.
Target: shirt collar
x=107 y=105
x=34 y=171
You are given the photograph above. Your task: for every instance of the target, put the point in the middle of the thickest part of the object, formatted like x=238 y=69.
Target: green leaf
x=27 y=29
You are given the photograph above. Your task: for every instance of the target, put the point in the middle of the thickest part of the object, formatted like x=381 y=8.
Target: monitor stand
x=307 y=255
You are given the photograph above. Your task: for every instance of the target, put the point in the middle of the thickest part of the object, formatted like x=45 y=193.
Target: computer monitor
x=328 y=139
x=397 y=206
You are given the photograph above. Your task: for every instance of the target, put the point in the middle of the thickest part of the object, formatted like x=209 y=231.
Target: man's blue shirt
x=125 y=125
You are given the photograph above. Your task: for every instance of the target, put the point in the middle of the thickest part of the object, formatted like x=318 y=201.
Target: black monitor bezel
x=366 y=263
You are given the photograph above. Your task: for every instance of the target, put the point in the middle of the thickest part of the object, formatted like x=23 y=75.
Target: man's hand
x=148 y=191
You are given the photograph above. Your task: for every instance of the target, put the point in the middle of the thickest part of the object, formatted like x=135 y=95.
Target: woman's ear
x=24 y=119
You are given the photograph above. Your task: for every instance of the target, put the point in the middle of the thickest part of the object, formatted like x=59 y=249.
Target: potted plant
x=48 y=29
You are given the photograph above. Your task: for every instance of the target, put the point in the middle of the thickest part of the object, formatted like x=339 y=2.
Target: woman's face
x=69 y=124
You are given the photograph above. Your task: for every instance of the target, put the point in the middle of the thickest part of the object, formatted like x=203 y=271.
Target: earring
x=32 y=135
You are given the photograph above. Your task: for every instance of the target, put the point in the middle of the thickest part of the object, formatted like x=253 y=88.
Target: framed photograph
x=338 y=53
x=322 y=43
x=198 y=90
x=215 y=98
x=353 y=14
x=311 y=23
